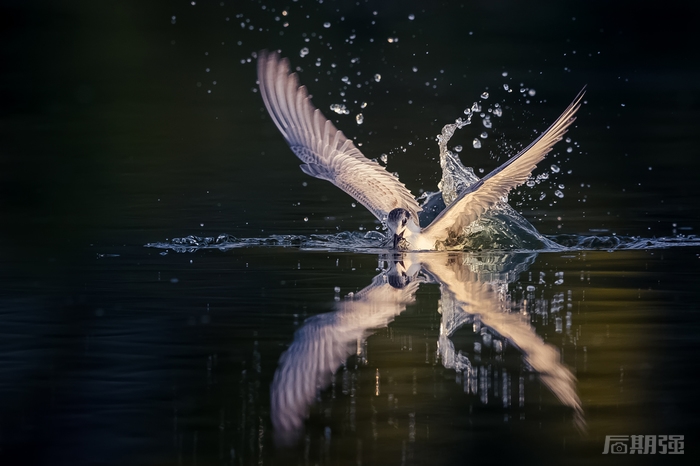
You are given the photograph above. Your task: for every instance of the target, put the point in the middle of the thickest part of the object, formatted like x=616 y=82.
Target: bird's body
x=327 y=154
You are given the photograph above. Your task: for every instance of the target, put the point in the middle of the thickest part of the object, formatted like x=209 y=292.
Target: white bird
x=329 y=155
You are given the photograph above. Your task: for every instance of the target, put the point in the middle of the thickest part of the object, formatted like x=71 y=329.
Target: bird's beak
x=397 y=239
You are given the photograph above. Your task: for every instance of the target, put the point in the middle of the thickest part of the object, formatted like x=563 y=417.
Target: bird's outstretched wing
x=325 y=151
x=485 y=193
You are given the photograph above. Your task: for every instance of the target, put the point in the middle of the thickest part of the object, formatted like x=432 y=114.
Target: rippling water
x=377 y=242
x=266 y=322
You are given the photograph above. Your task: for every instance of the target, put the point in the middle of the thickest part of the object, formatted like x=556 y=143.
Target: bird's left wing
x=485 y=193
x=325 y=151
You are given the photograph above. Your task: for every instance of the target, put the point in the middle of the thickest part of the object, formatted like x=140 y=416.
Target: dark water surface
x=113 y=135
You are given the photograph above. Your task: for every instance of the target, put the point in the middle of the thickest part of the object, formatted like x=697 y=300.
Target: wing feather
x=317 y=142
x=484 y=194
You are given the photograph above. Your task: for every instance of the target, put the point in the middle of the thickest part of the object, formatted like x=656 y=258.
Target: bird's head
x=398 y=222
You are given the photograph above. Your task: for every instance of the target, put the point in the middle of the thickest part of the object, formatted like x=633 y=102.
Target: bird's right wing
x=485 y=193
x=326 y=152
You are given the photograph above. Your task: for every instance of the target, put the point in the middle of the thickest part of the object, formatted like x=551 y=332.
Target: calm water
x=125 y=124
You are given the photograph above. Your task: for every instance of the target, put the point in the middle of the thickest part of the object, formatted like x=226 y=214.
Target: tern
x=329 y=155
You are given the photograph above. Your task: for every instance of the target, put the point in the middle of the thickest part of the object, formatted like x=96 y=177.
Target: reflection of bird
x=325 y=341
x=327 y=154
x=472 y=294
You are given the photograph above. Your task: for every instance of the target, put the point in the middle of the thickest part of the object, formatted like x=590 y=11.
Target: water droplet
x=336 y=289
x=345 y=79
x=415 y=69
x=304 y=52
x=458 y=148
x=173 y=20
x=530 y=183
x=476 y=108
x=530 y=288
x=353 y=204
x=326 y=25
x=384 y=158
x=558 y=193
x=569 y=149
x=359 y=118
x=377 y=77
x=555 y=169
x=392 y=40
x=306 y=219
x=363 y=105
x=542 y=196
x=484 y=135
x=507 y=88
x=568 y=140
x=411 y=17
x=476 y=143
x=532 y=92
x=484 y=95
x=487 y=122
x=504 y=74
x=340 y=109
x=497 y=111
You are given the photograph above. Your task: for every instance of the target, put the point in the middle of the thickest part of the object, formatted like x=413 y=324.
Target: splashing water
x=502 y=227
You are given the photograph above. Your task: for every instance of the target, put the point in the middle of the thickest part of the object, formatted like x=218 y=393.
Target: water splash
x=502 y=227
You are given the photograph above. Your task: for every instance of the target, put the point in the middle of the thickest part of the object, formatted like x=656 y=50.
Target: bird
x=329 y=155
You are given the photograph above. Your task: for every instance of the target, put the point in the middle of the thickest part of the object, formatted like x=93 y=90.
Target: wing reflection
x=325 y=342
x=474 y=290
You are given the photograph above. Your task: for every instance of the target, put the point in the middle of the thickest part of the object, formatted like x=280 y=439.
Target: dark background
x=107 y=123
